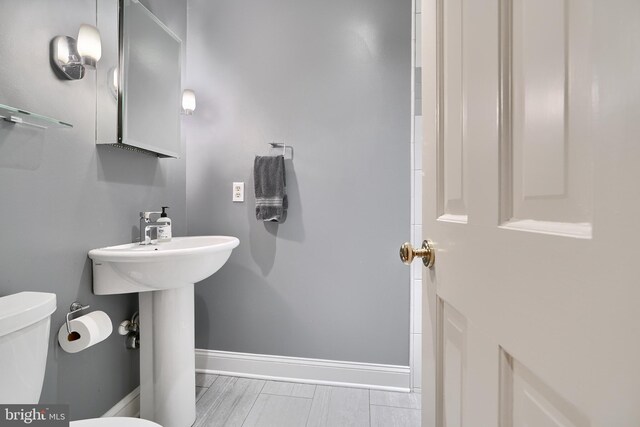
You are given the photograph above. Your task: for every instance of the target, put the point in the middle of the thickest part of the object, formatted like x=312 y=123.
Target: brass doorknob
x=427 y=253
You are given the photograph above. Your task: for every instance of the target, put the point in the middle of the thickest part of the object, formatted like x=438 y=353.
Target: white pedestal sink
x=164 y=275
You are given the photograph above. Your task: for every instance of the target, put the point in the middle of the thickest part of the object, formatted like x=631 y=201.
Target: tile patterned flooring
x=232 y=401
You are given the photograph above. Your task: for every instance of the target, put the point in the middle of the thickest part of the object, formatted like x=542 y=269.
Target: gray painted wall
x=331 y=78
x=61 y=196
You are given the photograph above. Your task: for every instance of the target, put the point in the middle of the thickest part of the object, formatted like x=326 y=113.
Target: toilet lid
x=114 y=422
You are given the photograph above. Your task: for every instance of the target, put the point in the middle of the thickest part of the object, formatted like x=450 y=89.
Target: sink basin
x=164 y=275
x=181 y=262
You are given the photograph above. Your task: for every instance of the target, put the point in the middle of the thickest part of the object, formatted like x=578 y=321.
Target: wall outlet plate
x=238 y=192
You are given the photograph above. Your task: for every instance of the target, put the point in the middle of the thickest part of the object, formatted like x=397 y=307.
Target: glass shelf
x=17 y=116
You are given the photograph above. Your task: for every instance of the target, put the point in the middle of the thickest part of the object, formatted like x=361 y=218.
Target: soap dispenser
x=164 y=229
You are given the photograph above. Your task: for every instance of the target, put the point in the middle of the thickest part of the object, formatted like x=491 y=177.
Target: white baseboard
x=298 y=369
x=282 y=368
x=129 y=406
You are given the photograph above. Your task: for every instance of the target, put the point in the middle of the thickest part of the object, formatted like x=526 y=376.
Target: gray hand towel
x=270 y=188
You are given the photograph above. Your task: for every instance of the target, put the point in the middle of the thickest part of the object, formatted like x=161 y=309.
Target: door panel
x=451 y=190
x=539 y=66
x=527 y=401
x=531 y=119
x=547 y=162
x=451 y=180
x=452 y=357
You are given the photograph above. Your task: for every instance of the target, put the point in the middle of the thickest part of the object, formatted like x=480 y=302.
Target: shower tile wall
x=416 y=205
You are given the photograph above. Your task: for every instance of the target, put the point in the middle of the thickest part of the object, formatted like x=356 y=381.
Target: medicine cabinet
x=138 y=80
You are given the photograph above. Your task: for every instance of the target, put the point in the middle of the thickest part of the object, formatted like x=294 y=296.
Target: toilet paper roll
x=86 y=331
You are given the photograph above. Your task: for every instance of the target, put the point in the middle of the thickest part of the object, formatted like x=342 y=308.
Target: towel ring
x=284 y=148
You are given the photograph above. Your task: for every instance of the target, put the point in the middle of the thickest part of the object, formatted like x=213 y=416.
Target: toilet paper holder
x=75 y=307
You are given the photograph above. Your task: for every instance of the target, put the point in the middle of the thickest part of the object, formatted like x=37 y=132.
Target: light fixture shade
x=89 y=44
x=188 y=101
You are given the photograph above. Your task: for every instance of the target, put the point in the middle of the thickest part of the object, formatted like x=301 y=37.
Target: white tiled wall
x=416 y=205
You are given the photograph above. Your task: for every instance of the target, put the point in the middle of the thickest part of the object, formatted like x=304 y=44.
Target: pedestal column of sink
x=167 y=357
x=163 y=276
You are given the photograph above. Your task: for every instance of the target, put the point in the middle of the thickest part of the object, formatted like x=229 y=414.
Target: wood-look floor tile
x=205 y=380
x=234 y=405
x=289 y=389
x=339 y=406
x=200 y=391
x=271 y=410
x=240 y=402
x=397 y=399
x=212 y=396
x=387 y=416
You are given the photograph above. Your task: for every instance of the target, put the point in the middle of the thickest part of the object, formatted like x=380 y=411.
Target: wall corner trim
x=303 y=370
x=129 y=406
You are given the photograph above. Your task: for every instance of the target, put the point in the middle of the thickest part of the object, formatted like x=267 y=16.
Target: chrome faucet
x=146 y=225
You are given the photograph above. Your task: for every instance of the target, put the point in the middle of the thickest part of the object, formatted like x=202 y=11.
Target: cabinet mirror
x=138 y=80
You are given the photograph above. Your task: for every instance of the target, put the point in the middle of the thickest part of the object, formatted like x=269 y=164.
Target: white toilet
x=25 y=320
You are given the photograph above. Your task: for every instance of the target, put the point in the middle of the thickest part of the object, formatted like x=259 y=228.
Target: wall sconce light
x=72 y=57
x=188 y=102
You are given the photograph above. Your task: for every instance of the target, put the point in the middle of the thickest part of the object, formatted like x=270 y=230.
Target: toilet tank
x=25 y=320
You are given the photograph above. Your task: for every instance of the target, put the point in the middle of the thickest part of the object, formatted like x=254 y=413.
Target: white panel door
x=532 y=200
